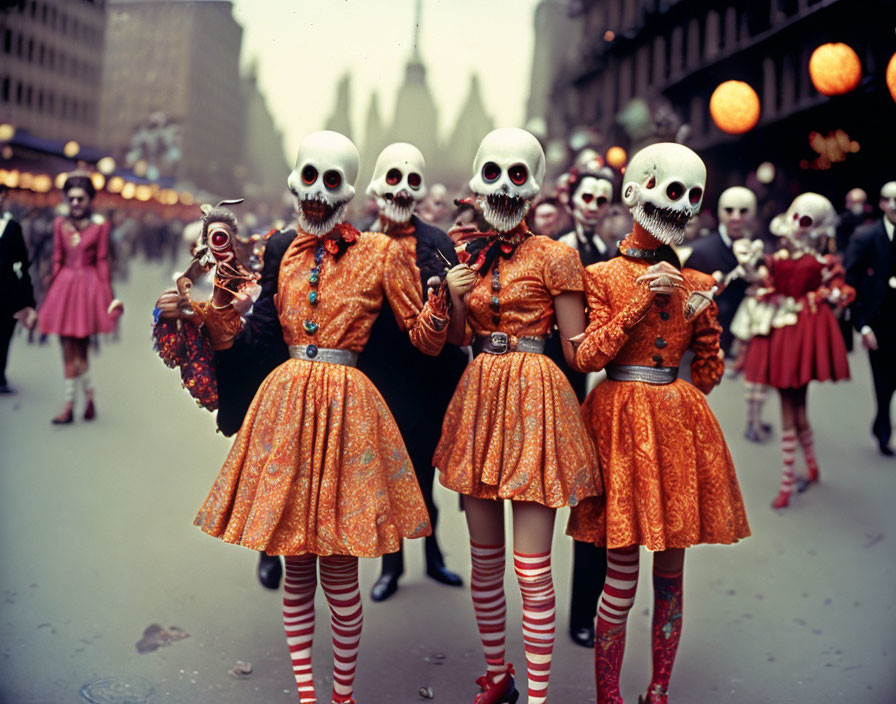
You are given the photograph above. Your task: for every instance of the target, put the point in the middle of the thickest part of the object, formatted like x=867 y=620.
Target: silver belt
x=499 y=343
x=649 y=375
x=328 y=355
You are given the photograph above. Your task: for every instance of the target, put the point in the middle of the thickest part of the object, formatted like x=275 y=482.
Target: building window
x=51 y=103
x=19 y=42
x=6 y=86
x=28 y=96
x=40 y=100
x=51 y=57
x=64 y=108
x=30 y=50
x=7 y=41
x=43 y=14
x=19 y=92
x=41 y=54
x=63 y=22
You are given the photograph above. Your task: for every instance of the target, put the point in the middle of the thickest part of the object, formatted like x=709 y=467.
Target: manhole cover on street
x=111 y=691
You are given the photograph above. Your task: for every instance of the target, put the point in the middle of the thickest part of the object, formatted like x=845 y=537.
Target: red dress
x=805 y=345
x=81 y=291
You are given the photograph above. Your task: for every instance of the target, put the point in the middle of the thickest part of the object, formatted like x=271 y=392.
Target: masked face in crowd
x=888 y=201
x=737 y=211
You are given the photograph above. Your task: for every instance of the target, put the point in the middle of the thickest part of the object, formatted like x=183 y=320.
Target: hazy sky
x=302 y=47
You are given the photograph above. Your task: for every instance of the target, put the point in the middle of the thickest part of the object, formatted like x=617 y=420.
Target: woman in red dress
x=77 y=304
x=804 y=343
x=513 y=429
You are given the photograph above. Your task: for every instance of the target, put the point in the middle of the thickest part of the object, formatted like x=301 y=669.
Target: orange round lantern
x=835 y=69
x=734 y=107
x=616 y=157
x=891 y=76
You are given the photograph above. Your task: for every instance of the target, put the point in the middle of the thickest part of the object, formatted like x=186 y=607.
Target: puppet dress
x=318 y=465
x=669 y=479
x=513 y=429
x=78 y=299
x=804 y=342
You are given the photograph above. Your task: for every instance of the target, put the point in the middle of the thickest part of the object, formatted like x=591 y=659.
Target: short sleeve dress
x=318 y=465
x=513 y=429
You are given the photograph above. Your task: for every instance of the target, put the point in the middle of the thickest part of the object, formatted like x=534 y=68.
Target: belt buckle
x=500 y=342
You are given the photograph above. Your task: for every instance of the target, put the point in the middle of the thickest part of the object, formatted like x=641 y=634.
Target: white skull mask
x=397 y=182
x=507 y=174
x=737 y=210
x=888 y=200
x=591 y=200
x=663 y=187
x=810 y=217
x=322 y=182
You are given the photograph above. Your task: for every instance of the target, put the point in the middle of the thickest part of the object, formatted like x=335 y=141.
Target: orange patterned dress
x=513 y=429
x=318 y=465
x=669 y=480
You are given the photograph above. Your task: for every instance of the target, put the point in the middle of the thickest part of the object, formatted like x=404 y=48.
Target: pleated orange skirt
x=669 y=480
x=514 y=430
x=319 y=467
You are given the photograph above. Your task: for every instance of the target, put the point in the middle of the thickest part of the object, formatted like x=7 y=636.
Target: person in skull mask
x=871 y=270
x=402 y=373
x=804 y=342
x=669 y=480
x=513 y=429
x=318 y=470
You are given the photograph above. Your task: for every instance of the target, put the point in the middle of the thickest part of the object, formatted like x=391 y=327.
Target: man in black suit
x=417 y=388
x=16 y=294
x=871 y=270
x=588 y=200
x=712 y=253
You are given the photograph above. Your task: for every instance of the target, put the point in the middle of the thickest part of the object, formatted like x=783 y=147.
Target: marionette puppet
x=318 y=471
x=669 y=480
x=803 y=342
x=416 y=387
x=513 y=430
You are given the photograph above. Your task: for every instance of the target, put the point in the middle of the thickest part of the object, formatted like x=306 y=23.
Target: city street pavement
x=98 y=544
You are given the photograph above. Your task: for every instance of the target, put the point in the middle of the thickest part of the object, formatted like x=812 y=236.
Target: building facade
x=678 y=51
x=177 y=61
x=52 y=67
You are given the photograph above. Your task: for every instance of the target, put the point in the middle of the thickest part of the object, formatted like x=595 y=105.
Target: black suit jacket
x=417 y=388
x=869 y=266
x=15 y=282
x=711 y=254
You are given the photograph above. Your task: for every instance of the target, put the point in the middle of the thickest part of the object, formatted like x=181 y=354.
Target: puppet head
x=809 y=218
x=507 y=174
x=590 y=202
x=397 y=182
x=856 y=201
x=663 y=187
x=322 y=182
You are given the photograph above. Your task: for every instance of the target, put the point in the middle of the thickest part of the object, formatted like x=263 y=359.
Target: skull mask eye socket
x=414 y=180
x=675 y=190
x=806 y=221
x=518 y=174
x=309 y=175
x=490 y=172
x=393 y=177
x=696 y=194
x=601 y=201
x=332 y=180
x=587 y=197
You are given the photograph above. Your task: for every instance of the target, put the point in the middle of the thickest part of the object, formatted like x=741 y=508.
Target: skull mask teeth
x=397 y=182
x=663 y=187
x=507 y=171
x=326 y=166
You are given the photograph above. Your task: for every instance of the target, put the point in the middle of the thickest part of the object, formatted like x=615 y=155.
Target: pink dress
x=80 y=292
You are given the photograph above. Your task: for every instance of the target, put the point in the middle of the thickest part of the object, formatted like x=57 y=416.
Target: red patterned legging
x=339 y=579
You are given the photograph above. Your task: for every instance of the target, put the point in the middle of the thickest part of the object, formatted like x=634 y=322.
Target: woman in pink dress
x=79 y=301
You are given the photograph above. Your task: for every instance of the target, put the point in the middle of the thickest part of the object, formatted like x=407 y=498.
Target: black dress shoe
x=582 y=635
x=384 y=587
x=885 y=449
x=443 y=575
x=270 y=570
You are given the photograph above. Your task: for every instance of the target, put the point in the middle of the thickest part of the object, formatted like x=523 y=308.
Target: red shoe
x=502 y=692
x=813 y=473
x=782 y=500
x=90 y=411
